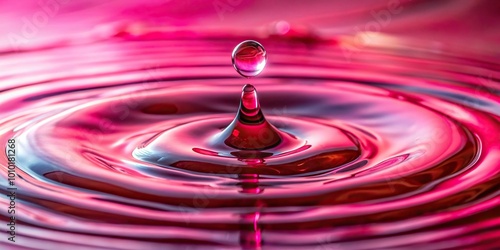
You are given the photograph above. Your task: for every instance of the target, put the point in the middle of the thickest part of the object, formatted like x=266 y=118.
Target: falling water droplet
x=249 y=58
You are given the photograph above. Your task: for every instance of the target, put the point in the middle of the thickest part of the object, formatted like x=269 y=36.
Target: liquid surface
x=118 y=146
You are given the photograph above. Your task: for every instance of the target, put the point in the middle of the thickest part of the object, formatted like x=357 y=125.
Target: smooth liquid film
x=135 y=149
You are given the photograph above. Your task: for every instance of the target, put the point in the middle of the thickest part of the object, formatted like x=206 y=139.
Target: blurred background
x=458 y=23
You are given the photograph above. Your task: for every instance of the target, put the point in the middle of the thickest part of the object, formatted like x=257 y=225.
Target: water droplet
x=249 y=58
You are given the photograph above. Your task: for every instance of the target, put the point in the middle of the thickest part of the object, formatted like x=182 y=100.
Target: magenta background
x=473 y=24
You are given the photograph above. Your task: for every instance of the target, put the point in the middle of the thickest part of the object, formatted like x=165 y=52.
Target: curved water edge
x=114 y=142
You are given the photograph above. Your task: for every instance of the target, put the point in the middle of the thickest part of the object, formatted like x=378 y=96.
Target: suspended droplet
x=249 y=58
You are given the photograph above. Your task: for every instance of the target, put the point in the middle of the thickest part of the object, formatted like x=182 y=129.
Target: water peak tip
x=248 y=125
x=249 y=101
x=248 y=88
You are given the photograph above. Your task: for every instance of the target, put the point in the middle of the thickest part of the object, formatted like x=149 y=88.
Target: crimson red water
x=136 y=142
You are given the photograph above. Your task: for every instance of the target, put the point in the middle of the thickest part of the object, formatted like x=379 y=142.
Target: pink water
x=145 y=140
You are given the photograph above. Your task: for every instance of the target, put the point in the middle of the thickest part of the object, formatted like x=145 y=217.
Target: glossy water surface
x=123 y=143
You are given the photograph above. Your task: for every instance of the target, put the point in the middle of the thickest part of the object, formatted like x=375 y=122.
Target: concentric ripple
x=395 y=148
